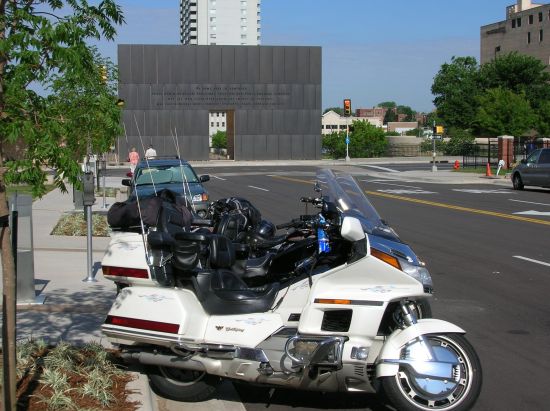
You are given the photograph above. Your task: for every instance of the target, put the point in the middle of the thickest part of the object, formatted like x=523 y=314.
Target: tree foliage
x=366 y=140
x=45 y=48
x=219 y=139
x=390 y=116
x=460 y=141
x=466 y=95
x=455 y=88
x=409 y=112
x=387 y=104
x=503 y=112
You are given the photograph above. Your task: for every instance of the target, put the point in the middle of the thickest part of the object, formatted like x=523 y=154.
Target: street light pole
x=347 y=141
x=434 y=167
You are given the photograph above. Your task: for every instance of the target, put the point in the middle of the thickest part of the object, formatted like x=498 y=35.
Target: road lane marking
x=460 y=208
x=219 y=178
x=531 y=260
x=533 y=212
x=404 y=191
x=481 y=191
x=296 y=180
x=258 y=188
x=436 y=204
x=529 y=202
x=391 y=184
x=391 y=170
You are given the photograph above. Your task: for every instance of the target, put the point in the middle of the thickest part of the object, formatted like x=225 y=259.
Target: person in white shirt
x=150 y=152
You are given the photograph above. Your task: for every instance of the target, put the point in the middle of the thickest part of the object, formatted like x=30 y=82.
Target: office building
x=220 y=22
x=526 y=30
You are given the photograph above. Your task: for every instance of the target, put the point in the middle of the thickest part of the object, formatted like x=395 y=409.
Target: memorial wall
x=271 y=94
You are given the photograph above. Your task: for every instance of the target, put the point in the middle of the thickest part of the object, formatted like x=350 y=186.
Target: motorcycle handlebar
x=289 y=224
x=311 y=200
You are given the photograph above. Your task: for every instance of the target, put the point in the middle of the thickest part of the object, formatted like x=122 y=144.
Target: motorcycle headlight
x=419 y=273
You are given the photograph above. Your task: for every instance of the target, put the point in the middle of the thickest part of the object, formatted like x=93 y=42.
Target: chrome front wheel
x=451 y=380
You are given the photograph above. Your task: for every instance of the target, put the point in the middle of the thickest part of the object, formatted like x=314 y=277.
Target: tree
x=387 y=104
x=456 y=86
x=502 y=112
x=542 y=122
x=521 y=74
x=516 y=72
x=459 y=143
x=219 y=139
x=409 y=112
x=43 y=45
x=390 y=116
x=366 y=140
x=338 y=110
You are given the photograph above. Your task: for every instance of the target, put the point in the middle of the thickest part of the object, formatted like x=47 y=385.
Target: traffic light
x=103 y=74
x=347 y=107
x=438 y=130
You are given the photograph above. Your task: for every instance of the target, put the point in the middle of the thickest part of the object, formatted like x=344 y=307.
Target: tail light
x=125 y=272
x=142 y=324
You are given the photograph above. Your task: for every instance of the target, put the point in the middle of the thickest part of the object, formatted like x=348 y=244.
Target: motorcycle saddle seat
x=222 y=292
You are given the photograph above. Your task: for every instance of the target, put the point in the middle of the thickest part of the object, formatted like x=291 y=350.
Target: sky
x=373 y=50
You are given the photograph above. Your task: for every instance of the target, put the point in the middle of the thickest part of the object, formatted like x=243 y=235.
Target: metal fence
x=479 y=154
x=405 y=150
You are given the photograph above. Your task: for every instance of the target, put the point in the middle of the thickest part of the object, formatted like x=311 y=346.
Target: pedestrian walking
x=134 y=159
x=150 y=152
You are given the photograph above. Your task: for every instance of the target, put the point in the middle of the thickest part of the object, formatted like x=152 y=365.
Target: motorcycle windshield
x=350 y=200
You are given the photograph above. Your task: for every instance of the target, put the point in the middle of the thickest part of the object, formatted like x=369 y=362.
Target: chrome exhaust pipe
x=163 y=360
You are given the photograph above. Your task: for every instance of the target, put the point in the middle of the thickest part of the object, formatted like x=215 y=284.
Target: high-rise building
x=526 y=30
x=222 y=22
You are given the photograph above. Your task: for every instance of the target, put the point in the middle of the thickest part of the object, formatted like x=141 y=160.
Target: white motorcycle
x=345 y=320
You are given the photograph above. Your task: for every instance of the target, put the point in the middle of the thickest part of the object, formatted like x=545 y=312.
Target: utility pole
x=437 y=134
x=347 y=113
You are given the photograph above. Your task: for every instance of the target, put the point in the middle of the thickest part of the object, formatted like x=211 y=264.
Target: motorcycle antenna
x=146 y=159
x=139 y=212
x=184 y=181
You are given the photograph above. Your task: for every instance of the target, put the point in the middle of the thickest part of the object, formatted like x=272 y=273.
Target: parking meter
x=88 y=188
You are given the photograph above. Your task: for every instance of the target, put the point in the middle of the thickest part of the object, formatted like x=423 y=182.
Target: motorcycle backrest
x=187 y=249
x=222 y=252
x=352 y=230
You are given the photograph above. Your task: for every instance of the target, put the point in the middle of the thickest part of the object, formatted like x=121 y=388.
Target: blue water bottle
x=322 y=240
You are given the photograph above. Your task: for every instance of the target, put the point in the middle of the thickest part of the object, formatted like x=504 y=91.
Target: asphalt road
x=491 y=271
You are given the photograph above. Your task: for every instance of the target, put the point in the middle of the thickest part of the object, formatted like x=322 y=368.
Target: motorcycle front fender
x=391 y=350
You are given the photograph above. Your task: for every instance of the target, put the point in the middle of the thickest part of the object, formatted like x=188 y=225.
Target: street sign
x=347 y=140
